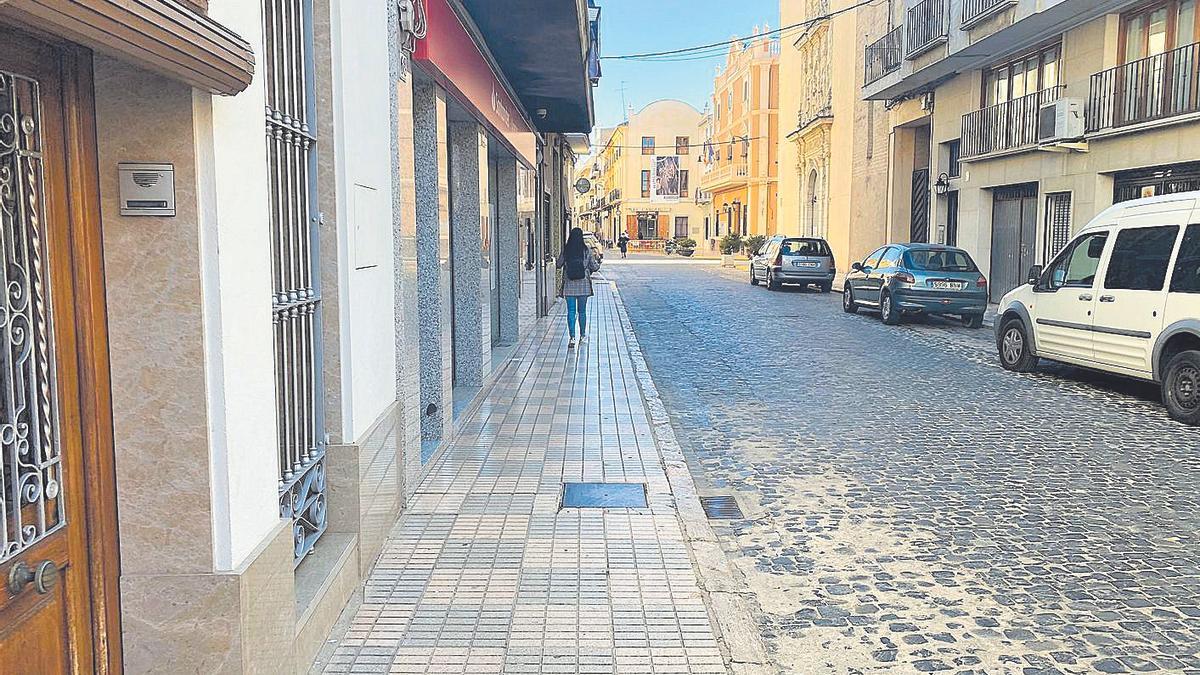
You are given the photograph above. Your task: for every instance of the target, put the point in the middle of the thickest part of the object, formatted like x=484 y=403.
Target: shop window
x=681 y=226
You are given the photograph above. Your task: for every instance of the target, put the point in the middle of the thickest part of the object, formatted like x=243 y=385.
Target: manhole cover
x=604 y=495
x=724 y=507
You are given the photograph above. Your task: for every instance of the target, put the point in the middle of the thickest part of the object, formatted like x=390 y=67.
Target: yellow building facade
x=642 y=177
x=833 y=149
x=739 y=161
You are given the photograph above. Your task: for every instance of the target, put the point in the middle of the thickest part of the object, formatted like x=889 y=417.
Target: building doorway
x=59 y=558
x=647 y=225
x=1014 y=237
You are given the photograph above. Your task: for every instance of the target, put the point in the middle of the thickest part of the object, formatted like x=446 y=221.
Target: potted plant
x=685 y=246
x=730 y=245
x=753 y=244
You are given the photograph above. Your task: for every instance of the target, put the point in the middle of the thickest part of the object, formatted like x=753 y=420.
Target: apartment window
x=1019 y=77
x=683 y=183
x=647 y=145
x=645 y=183
x=730 y=99
x=1158 y=28
x=682 y=145
x=953 y=163
x=730 y=150
x=746 y=89
x=1058 y=223
x=681 y=226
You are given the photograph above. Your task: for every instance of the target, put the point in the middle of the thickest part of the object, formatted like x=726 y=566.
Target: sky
x=638 y=26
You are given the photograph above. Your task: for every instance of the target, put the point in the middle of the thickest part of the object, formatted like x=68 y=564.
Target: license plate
x=948 y=285
x=801 y=263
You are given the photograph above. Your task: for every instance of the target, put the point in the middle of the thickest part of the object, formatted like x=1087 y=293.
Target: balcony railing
x=1006 y=126
x=884 y=55
x=726 y=173
x=974 y=11
x=928 y=26
x=1154 y=88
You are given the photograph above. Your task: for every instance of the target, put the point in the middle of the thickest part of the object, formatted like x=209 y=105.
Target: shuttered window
x=1058 y=223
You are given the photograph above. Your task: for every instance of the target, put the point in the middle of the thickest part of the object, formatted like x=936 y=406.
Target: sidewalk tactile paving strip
x=485 y=574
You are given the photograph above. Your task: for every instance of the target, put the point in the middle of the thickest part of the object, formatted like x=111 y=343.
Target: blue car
x=906 y=279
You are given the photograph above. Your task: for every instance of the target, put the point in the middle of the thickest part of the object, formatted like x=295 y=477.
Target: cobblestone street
x=912 y=507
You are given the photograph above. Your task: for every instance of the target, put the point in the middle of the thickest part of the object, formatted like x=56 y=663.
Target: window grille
x=291 y=153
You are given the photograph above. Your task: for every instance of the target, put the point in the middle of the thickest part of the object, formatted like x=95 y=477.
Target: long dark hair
x=575 y=248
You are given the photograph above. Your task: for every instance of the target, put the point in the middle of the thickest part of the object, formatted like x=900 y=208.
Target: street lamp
x=942 y=186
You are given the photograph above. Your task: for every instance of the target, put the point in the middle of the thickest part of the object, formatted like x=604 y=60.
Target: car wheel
x=753 y=279
x=1181 y=387
x=772 y=283
x=848 y=304
x=1013 y=345
x=972 y=320
x=887 y=310
x=827 y=287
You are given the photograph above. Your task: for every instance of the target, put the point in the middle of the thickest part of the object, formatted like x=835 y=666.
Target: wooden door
x=58 y=536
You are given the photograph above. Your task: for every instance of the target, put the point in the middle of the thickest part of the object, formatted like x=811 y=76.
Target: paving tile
x=486 y=573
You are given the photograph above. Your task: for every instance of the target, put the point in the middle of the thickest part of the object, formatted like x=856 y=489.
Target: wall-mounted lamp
x=942 y=186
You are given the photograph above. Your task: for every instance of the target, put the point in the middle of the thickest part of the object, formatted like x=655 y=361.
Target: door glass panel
x=873 y=259
x=1158 y=32
x=1050 y=68
x=1186 y=277
x=1018 y=81
x=30 y=466
x=1031 y=75
x=1135 y=38
x=1140 y=257
x=1185 y=27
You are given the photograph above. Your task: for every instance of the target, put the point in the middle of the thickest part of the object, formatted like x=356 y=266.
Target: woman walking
x=577 y=263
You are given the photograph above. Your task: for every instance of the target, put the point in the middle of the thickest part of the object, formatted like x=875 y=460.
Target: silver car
x=802 y=261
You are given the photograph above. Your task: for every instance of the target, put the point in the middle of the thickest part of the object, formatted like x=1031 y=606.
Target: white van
x=1122 y=297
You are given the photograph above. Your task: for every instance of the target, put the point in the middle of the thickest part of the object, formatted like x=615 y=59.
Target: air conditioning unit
x=1060 y=120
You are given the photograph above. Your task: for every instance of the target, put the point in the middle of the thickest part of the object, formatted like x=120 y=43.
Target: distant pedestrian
x=577 y=263
x=623 y=244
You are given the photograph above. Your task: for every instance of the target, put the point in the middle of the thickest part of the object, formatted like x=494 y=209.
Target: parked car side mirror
x=1035 y=275
x=856 y=267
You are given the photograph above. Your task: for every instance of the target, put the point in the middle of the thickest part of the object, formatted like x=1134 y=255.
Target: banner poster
x=665 y=184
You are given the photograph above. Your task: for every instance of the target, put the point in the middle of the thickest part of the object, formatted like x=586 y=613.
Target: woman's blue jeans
x=577 y=307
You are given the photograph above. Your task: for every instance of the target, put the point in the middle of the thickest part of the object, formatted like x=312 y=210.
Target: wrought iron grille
x=928 y=25
x=1058 y=224
x=31 y=506
x=291 y=148
x=884 y=55
x=974 y=11
x=1154 y=88
x=1011 y=125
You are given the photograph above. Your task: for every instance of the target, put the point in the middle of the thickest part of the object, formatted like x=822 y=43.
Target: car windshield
x=939 y=260
x=814 y=247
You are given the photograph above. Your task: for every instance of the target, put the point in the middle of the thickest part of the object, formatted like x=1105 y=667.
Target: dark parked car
x=901 y=279
x=793 y=260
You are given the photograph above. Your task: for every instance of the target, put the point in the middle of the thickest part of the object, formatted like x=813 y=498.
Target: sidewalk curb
x=728 y=598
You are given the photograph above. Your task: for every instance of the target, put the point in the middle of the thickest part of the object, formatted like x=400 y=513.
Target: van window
x=812 y=247
x=1140 y=257
x=1077 y=265
x=1186 y=277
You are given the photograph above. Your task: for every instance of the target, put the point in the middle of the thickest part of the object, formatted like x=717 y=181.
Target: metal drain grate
x=604 y=496
x=723 y=507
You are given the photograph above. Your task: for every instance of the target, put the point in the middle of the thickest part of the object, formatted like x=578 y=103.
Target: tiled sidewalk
x=484 y=573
